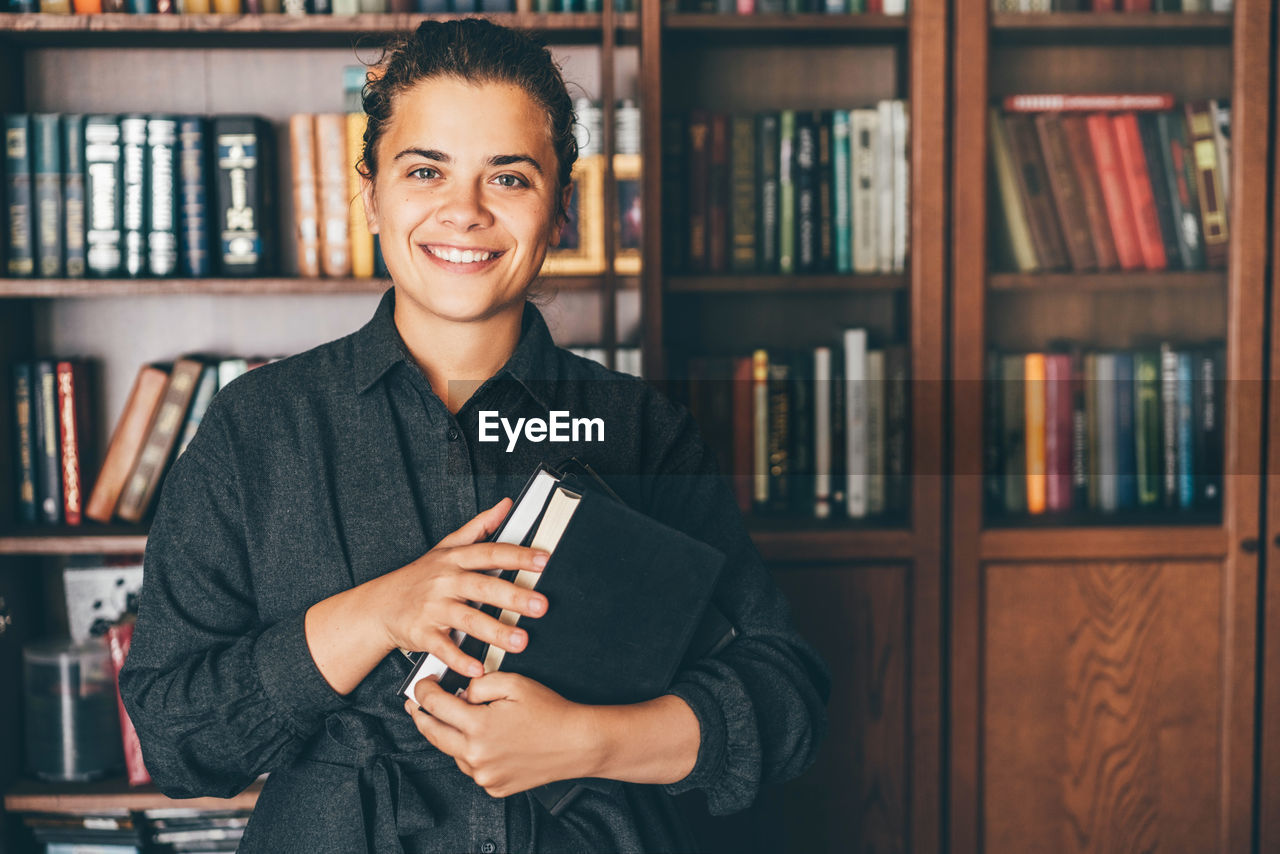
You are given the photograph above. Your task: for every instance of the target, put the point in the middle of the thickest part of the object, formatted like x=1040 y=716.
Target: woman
x=325 y=517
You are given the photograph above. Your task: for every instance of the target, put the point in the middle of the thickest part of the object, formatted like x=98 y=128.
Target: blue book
x=1126 y=456
x=432 y=5
x=1186 y=433
x=193 y=219
x=46 y=195
x=21 y=252
x=73 y=246
x=843 y=236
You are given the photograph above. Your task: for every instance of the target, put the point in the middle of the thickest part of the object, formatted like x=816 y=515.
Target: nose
x=464 y=208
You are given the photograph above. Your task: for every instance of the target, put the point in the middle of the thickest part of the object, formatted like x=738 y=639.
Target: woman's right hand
x=422 y=602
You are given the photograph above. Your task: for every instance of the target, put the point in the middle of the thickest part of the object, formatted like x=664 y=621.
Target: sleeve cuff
x=713 y=738
x=290 y=678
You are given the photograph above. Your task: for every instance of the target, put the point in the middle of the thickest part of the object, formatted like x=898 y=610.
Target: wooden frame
x=585 y=255
x=627 y=170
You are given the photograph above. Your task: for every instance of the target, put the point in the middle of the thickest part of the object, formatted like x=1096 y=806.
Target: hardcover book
x=244 y=199
x=46 y=143
x=21 y=246
x=73 y=195
x=104 y=228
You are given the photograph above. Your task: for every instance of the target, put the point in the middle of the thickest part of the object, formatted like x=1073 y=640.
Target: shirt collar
x=378 y=346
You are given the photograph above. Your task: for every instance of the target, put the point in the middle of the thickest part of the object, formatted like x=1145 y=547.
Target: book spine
x=73 y=418
x=72 y=129
x=21 y=252
x=1065 y=193
x=1015 y=447
x=162 y=221
x=718 y=196
x=1033 y=372
x=800 y=434
x=1033 y=184
x=760 y=428
x=822 y=432
x=1076 y=138
x=204 y=393
x=193 y=200
x=875 y=432
x=768 y=144
x=126 y=442
x=779 y=442
x=1147 y=427
x=1108 y=484
x=884 y=187
x=1169 y=425
x=1220 y=113
x=46 y=144
x=25 y=436
x=897 y=484
x=1126 y=477
x=993 y=436
x=1021 y=250
x=1088 y=103
x=825 y=216
x=48 y=444
x=743 y=432
x=1079 y=433
x=1181 y=182
x=806 y=174
x=1210 y=188
x=357 y=225
x=1093 y=421
x=863 y=134
x=1133 y=163
x=839 y=444
x=331 y=183
x=699 y=190
x=675 y=195
x=1115 y=191
x=119 y=639
x=140 y=488
x=901 y=185
x=1057 y=432
x=742 y=210
x=787 y=192
x=306 y=207
x=245 y=203
x=104 y=241
x=1186 y=432
x=133 y=189
x=841 y=191
x=1159 y=173
x=1208 y=427
x=855 y=384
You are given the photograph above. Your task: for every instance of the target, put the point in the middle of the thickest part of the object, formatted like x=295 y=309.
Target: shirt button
x=453 y=434
x=488 y=847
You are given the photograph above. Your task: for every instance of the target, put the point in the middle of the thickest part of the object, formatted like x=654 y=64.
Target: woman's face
x=465 y=197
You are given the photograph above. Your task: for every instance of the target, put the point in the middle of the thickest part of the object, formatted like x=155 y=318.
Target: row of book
x=1110 y=182
x=139 y=195
x=819 y=433
x=58 y=479
x=302 y=7
x=776 y=7
x=1104 y=431
x=793 y=191
x=171 y=830
x=627 y=360
x=1139 y=6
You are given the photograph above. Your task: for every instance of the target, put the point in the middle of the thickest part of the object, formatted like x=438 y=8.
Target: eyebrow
x=495 y=160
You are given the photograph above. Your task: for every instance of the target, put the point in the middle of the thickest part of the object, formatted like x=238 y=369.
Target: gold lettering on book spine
x=70 y=453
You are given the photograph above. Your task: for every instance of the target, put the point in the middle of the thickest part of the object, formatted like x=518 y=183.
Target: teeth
x=460 y=256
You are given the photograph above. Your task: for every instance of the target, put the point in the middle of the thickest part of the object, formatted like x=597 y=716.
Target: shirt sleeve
x=217 y=697
x=761 y=701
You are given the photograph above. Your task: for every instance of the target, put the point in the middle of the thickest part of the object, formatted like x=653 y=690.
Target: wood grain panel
x=1188 y=71
x=1103 y=689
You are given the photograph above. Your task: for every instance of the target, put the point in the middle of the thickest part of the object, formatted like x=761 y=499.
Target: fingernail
x=537 y=606
x=517 y=638
x=540 y=560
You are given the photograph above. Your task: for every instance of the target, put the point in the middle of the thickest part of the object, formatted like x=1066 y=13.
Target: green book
x=767 y=192
x=742 y=209
x=786 y=192
x=21 y=252
x=73 y=246
x=842 y=234
x=1015 y=448
x=1146 y=428
x=46 y=171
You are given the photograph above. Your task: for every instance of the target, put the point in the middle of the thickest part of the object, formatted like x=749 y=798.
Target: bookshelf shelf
x=274 y=30
x=93 y=539
x=749 y=283
x=112 y=795
x=1211 y=280
x=57 y=288
x=807 y=541
x=785 y=28
x=1104 y=543
x=1111 y=28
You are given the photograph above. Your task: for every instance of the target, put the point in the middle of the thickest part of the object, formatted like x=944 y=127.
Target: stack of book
x=1139 y=6
x=816 y=434
x=1130 y=430
x=625 y=359
x=113 y=831
x=775 y=7
x=1110 y=182
x=176 y=830
x=56 y=483
x=794 y=191
x=139 y=195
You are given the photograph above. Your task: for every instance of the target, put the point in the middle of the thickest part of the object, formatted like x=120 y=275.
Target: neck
x=457 y=358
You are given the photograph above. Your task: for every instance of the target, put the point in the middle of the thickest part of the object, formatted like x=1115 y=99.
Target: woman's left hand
x=510 y=734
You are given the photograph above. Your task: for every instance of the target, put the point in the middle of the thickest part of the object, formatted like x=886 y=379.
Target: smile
x=461 y=256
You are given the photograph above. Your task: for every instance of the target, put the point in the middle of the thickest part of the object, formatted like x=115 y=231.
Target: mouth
x=457 y=259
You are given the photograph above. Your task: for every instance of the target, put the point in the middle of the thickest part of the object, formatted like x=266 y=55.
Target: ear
x=370 y=204
x=561 y=219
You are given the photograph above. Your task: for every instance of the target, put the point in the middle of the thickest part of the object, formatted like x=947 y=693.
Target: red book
x=76 y=441
x=1133 y=161
x=719 y=200
x=1067 y=198
x=119 y=637
x=1076 y=136
x=1089 y=103
x=743 y=433
x=1104 y=5
x=1137 y=5
x=1115 y=192
x=699 y=188
x=1058 y=404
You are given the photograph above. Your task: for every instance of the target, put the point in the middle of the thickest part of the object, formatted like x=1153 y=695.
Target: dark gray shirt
x=327 y=469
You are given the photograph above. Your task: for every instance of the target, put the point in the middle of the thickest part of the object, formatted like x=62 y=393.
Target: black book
x=767 y=214
x=826 y=219
x=48 y=460
x=1159 y=170
x=806 y=172
x=244 y=204
x=193 y=198
x=1208 y=388
x=73 y=209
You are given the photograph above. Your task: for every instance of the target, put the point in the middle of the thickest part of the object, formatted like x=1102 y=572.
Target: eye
x=509 y=180
x=420 y=173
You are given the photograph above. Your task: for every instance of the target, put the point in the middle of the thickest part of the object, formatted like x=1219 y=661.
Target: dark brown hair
x=479 y=51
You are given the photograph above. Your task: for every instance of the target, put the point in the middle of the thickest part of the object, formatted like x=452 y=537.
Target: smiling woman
x=330 y=512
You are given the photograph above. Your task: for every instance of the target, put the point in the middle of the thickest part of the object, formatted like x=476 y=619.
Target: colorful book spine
x=841 y=191
x=1160 y=171
x=162 y=435
x=126 y=441
x=787 y=192
x=244 y=207
x=1088 y=103
x=73 y=199
x=876 y=426
x=75 y=437
x=1168 y=425
x=48 y=445
x=1065 y=191
x=742 y=207
x=1133 y=164
x=1033 y=402
x=21 y=254
x=1105 y=431
x=760 y=429
x=825 y=211
x=331 y=185
x=901 y=185
x=1186 y=431
x=1115 y=191
x=1210 y=184
x=1147 y=427
x=1172 y=129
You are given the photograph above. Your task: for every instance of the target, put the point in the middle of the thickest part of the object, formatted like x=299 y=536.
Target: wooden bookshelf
x=1068 y=651
x=113 y=794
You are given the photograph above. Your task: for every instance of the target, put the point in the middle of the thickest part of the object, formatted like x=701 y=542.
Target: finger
x=443 y=648
x=477 y=587
x=483 y=556
x=447 y=739
x=494 y=686
x=486 y=628
x=479 y=527
x=443 y=706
